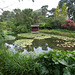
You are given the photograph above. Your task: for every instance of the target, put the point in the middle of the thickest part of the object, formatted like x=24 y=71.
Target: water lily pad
x=31 y=35
x=24 y=42
x=42 y=37
x=63 y=37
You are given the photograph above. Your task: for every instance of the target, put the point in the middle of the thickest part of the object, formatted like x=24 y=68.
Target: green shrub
x=69 y=25
x=51 y=63
x=41 y=25
x=58 y=62
x=56 y=23
x=18 y=64
x=21 y=29
x=48 y=23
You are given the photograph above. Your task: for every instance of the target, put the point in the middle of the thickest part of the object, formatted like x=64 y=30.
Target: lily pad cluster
x=31 y=35
x=43 y=37
x=24 y=42
x=67 y=44
x=63 y=38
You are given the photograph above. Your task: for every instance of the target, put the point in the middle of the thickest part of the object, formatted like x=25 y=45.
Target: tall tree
x=44 y=10
x=70 y=7
x=64 y=10
x=57 y=12
x=52 y=12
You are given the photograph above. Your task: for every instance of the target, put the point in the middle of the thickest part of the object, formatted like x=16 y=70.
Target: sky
x=12 y=4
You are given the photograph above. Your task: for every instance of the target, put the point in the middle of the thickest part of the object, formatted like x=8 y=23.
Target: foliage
x=24 y=42
x=6 y=15
x=10 y=37
x=70 y=7
x=69 y=25
x=56 y=23
x=48 y=23
x=60 y=17
x=43 y=37
x=58 y=62
x=2 y=35
x=44 y=10
x=31 y=35
x=51 y=63
x=41 y=25
x=18 y=64
x=22 y=21
x=41 y=19
x=57 y=12
x=52 y=12
x=61 y=32
x=38 y=17
x=64 y=10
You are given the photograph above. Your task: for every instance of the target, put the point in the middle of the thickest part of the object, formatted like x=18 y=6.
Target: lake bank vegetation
x=18 y=23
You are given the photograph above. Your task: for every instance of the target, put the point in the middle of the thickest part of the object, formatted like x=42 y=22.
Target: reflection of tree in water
x=53 y=44
x=40 y=43
x=44 y=44
x=30 y=48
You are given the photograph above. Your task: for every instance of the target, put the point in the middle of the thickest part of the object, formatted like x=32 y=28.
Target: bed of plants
x=31 y=35
x=51 y=63
x=24 y=42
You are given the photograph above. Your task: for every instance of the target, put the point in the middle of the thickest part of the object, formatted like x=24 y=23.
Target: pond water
x=42 y=45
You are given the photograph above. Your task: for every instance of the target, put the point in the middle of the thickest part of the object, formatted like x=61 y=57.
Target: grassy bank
x=61 y=32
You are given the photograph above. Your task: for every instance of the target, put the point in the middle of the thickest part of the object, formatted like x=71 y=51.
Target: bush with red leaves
x=68 y=25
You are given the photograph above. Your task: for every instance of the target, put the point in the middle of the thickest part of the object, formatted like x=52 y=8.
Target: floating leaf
x=24 y=42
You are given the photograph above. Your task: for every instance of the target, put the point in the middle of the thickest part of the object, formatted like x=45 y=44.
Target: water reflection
x=44 y=45
x=41 y=50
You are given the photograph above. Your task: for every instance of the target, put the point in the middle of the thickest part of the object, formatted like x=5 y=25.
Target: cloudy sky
x=12 y=4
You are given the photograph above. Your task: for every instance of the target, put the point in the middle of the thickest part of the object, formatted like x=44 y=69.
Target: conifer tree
x=57 y=12
x=64 y=10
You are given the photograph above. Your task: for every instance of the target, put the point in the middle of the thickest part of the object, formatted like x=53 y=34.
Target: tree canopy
x=70 y=7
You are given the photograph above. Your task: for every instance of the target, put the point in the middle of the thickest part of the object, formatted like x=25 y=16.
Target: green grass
x=61 y=32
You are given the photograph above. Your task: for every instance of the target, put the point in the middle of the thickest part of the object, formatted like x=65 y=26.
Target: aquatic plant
x=43 y=37
x=31 y=35
x=24 y=42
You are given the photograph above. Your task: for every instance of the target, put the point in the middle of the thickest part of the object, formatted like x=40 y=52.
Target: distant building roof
x=34 y=25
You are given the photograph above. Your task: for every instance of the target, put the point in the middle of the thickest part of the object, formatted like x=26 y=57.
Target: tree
x=64 y=10
x=48 y=23
x=6 y=15
x=44 y=10
x=38 y=17
x=70 y=7
x=57 y=12
x=52 y=11
x=22 y=20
